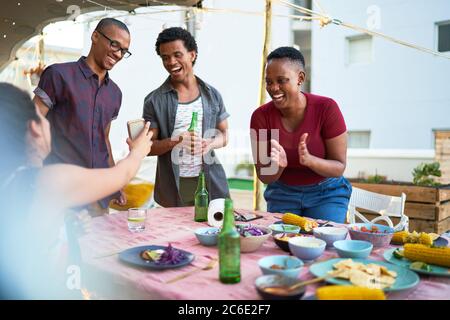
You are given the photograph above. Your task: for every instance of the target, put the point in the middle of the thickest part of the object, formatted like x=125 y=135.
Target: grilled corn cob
x=402 y=237
x=425 y=238
x=304 y=223
x=399 y=237
x=349 y=293
x=439 y=256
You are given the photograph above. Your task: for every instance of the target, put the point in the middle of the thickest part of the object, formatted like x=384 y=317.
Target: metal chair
x=386 y=206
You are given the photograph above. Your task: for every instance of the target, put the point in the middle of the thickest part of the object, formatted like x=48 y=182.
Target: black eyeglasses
x=116 y=46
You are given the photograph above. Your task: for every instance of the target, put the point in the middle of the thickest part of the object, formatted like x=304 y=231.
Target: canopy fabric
x=22 y=19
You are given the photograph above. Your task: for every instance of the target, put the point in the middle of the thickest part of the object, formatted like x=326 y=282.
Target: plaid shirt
x=80 y=111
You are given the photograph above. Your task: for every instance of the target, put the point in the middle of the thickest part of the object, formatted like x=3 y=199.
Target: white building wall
x=394 y=164
x=400 y=96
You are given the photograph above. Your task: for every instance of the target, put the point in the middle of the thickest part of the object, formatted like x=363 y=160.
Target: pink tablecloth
x=110 y=235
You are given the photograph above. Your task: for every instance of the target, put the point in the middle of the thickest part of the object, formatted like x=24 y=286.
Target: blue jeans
x=327 y=200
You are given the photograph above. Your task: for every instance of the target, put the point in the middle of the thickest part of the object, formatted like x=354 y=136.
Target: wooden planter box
x=428 y=208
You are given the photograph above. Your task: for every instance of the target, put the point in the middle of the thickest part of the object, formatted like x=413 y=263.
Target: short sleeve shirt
x=160 y=108
x=80 y=111
x=322 y=121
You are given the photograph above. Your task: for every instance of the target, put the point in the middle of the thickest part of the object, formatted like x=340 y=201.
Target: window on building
x=302 y=42
x=443 y=36
x=358 y=139
x=304 y=3
x=359 y=49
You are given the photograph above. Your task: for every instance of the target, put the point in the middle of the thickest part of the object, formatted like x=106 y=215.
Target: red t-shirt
x=322 y=120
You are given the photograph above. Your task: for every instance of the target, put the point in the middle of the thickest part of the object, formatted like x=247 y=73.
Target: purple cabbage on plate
x=171 y=256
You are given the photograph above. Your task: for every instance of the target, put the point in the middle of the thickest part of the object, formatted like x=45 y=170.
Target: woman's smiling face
x=283 y=79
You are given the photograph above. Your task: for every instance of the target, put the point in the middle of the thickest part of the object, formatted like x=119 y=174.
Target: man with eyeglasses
x=80 y=101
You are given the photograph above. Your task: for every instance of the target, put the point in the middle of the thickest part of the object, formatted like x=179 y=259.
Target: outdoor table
x=107 y=277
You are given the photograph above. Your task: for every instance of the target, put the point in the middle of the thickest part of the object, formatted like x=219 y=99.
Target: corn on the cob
x=399 y=237
x=425 y=238
x=402 y=237
x=418 y=252
x=304 y=223
x=349 y=293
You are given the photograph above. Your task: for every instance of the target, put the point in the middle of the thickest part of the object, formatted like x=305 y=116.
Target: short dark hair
x=16 y=110
x=289 y=53
x=177 y=33
x=106 y=22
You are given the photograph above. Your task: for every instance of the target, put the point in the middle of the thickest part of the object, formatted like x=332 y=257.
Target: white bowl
x=253 y=243
x=330 y=234
x=307 y=248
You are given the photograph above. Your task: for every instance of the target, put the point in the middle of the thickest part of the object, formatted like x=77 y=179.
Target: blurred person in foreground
x=34 y=197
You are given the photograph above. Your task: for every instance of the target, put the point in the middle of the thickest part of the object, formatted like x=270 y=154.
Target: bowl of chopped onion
x=252 y=236
x=207 y=236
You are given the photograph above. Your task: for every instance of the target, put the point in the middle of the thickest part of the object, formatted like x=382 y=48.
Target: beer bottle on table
x=201 y=199
x=229 y=248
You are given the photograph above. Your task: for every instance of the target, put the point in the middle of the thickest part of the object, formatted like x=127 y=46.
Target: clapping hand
x=303 y=153
x=277 y=154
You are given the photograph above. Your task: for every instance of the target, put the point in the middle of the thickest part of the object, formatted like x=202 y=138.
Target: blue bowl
x=274 y=280
x=353 y=248
x=284 y=228
x=207 y=236
x=287 y=266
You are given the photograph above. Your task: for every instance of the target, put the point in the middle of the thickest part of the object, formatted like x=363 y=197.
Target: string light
x=309 y=15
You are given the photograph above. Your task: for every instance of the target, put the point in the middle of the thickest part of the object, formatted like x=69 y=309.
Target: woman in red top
x=299 y=144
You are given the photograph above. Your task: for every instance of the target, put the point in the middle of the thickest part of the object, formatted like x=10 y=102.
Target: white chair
x=386 y=206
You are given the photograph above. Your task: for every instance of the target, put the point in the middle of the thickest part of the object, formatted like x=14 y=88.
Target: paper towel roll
x=216 y=210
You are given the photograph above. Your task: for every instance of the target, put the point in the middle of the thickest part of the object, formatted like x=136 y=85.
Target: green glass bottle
x=201 y=199
x=192 y=128
x=229 y=248
x=193 y=125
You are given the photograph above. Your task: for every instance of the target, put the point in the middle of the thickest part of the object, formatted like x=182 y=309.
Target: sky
x=55 y=34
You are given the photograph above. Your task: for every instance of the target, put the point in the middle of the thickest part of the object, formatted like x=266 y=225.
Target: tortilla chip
x=344 y=264
x=370 y=276
x=386 y=271
x=362 y=279
x=373 y=269
x=344 y=274
x=389 y=281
